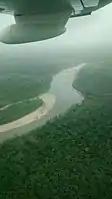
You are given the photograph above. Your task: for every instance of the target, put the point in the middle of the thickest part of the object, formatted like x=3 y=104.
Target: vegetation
x=19 y=110
x=24 y=84
x=95 y=80
x=69 y=157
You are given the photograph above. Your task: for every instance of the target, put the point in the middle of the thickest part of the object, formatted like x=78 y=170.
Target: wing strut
x=82 y=3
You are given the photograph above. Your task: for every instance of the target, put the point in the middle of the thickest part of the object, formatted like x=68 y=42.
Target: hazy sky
x=96 y=28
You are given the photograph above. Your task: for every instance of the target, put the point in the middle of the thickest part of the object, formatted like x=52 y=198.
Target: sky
x=89 y=30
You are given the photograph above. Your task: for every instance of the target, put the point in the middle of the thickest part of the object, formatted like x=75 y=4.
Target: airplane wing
x=88 y=7
x=37 y=20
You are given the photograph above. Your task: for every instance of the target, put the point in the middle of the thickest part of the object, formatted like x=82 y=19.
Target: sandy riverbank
x=49 y=101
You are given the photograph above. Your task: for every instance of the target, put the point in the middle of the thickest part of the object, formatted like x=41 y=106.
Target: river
x=58 y=100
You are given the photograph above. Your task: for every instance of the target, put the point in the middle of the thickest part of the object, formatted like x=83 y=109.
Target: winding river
x=59 y=98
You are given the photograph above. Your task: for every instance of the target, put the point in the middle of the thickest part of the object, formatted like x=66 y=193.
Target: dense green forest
x=23 y=83
x=69 y=157
x=95 y=80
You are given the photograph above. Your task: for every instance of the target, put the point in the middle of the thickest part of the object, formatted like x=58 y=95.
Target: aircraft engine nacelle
x=30 y=28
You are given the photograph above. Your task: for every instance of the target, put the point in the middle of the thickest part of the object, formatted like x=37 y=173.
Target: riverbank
x=48 y=103
x=15 y=111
